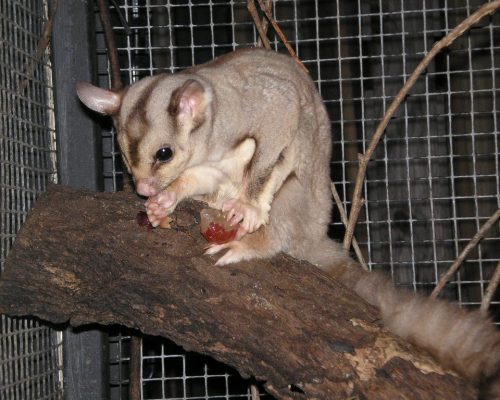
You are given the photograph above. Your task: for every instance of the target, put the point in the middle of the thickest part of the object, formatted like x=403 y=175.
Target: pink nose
x=145 y=187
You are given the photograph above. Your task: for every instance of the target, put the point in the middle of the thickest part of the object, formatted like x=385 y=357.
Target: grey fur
x=253 y=122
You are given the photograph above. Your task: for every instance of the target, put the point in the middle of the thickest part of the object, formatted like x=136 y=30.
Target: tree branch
x=116 y=80
x=282 y=321
x=258 y=24
x=490 y=291
x=463 y=255
x=343 y=217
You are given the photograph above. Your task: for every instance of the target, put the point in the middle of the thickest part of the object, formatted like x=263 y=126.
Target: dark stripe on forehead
x=137 y=123
x=133 y=151
x=138 y=112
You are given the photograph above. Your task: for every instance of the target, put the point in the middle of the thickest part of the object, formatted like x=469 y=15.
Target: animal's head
x=159 y=121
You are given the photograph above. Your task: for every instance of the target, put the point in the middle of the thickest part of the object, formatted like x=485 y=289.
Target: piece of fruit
x=215 y=228
x=143 y=220
x=165 y=222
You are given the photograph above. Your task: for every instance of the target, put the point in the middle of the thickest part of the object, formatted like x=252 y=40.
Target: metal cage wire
x=30 y=353
x=434 y=178
x=433 y=181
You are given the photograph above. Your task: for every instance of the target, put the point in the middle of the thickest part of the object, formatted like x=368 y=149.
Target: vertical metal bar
x=494 y=107
x=212 y=42
x=384 y=141
x=233 y=32
x=363 y=126
x=205 y=378
x=131 y=76
x=429 y=148
x=170 y=36
x=162 y=355
x=184 y=376
x=149 y=44
x=295 y=27
x=190 y=8
x=450 y=145
x=135 y=373
x=474 y=159
x=407 y=154
x=85 y=369
x=316 y=20
x=341 y=109
x=495 y=122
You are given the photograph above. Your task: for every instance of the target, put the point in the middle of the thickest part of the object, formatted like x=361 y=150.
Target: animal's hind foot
x=236 y=251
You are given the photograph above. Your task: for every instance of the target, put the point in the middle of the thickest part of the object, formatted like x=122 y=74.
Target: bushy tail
x=464 y=341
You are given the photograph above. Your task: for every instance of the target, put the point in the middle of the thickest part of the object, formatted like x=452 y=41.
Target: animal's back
x=286 y=112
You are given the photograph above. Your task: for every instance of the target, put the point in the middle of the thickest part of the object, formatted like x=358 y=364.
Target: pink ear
x=99 y=100
x=190 y=99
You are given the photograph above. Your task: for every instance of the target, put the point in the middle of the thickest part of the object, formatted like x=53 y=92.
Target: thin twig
x=343 y=218
x=123 y=21
x=116 y=81
x=40 y=48
x=280 y=34
x=29 y=69
x=490 y=290
x=473 y=242
x=134 y=386
x=265 y=21
x=466 y=24
x=114 y=63
x=256 y=20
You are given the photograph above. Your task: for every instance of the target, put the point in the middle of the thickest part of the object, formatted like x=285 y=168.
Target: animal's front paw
x=161 y=205
x=236 y=252
x=248 y=215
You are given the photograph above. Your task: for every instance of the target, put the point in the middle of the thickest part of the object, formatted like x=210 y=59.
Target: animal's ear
x=189 y=100
x=99 y=100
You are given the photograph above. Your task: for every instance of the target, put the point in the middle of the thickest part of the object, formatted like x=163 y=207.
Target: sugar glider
x=248 y=133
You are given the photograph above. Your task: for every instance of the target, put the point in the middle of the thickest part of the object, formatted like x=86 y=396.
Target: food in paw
x=143 y=220
x=215 y=228
x=165 y=222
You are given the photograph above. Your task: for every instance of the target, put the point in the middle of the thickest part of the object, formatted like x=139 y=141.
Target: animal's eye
x=164 y=154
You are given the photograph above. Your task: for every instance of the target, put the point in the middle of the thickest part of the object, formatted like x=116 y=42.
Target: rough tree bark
x=81 y=257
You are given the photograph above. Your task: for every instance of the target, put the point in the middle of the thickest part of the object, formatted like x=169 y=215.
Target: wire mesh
x=119 y=362
x=170 y=373
x=30 y=353
x=434 y=178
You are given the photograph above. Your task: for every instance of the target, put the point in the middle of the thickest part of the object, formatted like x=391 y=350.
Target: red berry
x=215 y=233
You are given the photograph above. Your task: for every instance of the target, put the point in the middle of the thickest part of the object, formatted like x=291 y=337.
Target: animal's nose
x=145 y=187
